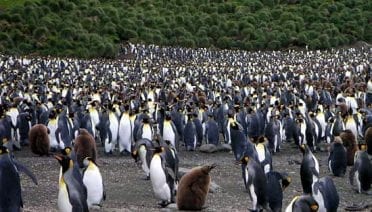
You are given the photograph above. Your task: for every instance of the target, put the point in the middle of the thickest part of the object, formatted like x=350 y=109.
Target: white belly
x=93 y=181
x=146 y=132
x=64 y=204
x=125 y=134
x=158 y=180
x=142 y=154
x=52 y=136
x=114 y=128
x=169 y=135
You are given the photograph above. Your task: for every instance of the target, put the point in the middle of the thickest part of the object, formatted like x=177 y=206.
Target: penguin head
x=66 y=151
x=134 y=155
x=244 y=160
x=207 y=168
x=286 y=180
x=65 y=162
x=304 y=148
x=3 y=150
x=159 y=149
x=362 y=147
x=146 y=119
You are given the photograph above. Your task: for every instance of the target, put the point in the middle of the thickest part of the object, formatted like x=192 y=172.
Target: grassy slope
x=94 y=28
x=11 y=3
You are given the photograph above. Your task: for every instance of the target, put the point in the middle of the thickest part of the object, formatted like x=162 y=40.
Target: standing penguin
x=145 y=129
x=126 y=139
x=163 y=175
x=39 y=139
x=276 y=183
x=325 y=194
x=92 y=180
x=360 y=175
x=24 y=125
x=143 y=150
x=263 y=154
x=304 y=203
x=170 y=131
x=198 y=128
x=11 y=192
x=85 y=146
x=52 y=125
x=193 y=188
x=255 y=183
x=72 y=194
x=309 y=168
x=190 y=137
x=337 y=159
x=240 y=144
x=211 y=131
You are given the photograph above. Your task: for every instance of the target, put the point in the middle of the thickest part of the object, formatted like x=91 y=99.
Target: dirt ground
x=127 y=191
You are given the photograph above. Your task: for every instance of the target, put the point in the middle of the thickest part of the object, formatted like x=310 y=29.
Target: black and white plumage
x=360 y=176
x=309 y=168
x=337 y=159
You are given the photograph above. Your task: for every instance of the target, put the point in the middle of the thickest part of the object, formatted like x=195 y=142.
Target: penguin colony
x=157 y=101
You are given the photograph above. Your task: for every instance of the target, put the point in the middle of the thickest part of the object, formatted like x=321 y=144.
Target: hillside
x=96 y=28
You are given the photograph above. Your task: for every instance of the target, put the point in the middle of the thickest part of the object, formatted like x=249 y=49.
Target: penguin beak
x=212 y=166
x=59 y=158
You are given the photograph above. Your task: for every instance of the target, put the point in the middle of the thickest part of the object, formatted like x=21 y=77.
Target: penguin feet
x=125 y=153
x=146 y=177
x=109 y=153
x=190 y=149
x=163 y=204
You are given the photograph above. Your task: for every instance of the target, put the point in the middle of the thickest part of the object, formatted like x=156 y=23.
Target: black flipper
x=22 y=168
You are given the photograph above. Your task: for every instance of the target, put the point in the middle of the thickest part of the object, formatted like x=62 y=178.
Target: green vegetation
x=95 y=28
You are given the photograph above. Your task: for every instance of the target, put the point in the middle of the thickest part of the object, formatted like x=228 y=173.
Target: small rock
x=208 y=148
x=224 y=148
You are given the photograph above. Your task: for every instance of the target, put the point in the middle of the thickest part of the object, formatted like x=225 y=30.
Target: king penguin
x=72 y=194
x=92 y=180
x=255 y=183
x=11 y=192
x=263 y=154
x=126 y=139
x=325 y=194
x=143 y=152
x=163 y=175
x=304 y=203
x=337 y=159
x=276 y=183
x=309 y=168
x=170 y=131
x=360 y=175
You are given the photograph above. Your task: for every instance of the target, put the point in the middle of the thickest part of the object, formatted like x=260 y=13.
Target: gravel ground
x=127 y=191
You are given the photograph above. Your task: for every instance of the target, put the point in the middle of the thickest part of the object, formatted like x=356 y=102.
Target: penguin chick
x=39 y=139
x=85 y=146
x=193 y=188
